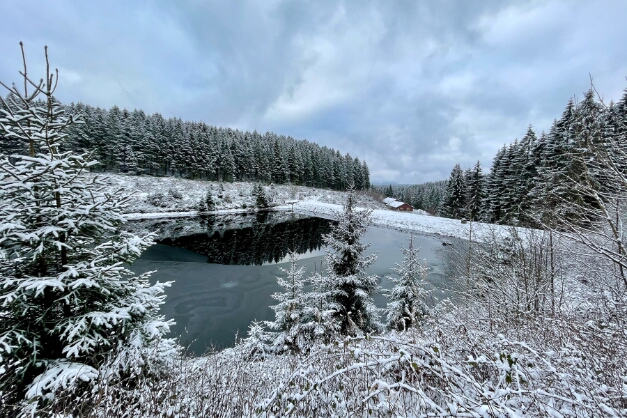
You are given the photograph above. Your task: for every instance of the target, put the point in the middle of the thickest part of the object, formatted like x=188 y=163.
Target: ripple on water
x=229 y=285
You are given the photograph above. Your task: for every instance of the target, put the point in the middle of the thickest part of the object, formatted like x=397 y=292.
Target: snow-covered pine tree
x=67 y=303
x=509 y=173
x=366 y=175
x=295 y=163
x=261 y=199
x=350 y=288
x=210 y=203
x=455 y=191
x=408 y=296
x=493 y=206
x=289 y=310
x=318 y=322
x=207 y=202
x=255 y=346
x=530 y=159
x=475 y=192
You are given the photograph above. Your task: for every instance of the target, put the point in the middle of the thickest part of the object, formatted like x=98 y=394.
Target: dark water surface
x=224 y=268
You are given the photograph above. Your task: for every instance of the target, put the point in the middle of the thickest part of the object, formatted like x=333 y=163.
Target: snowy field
x=168 y=197
x=172 y=194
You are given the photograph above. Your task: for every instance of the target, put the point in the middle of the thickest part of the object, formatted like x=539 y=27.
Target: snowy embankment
x=170 y=197
x=184 y=214
x=411 y=221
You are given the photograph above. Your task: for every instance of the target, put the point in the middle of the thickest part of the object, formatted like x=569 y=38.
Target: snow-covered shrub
x=68 y=304
x=453 y=368
x=272 y=194
x=448 y=367
x=158 y=199
x=516 y=275
x=175 y=194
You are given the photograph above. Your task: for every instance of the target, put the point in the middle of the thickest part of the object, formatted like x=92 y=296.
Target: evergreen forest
x=135 y=143
x=539 y=178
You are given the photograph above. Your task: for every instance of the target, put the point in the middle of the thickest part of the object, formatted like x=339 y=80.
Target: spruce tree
x=256 y=344
x=349 y=287
x=261 y=200
x=289 y=312
x=529 y=160
x=474 y=192
x=455 y=191
x=407 y=304
x=210 y=203
x=68 y=304
x=365 y=175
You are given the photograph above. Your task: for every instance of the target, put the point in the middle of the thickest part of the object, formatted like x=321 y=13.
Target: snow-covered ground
x=171 y=194
x=169 y=197
x=413 y=221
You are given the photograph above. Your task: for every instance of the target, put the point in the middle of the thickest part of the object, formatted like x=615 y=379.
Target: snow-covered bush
x=158 y=199
x=517 y=275
x=448 y=367
x=68 y=304
x=455 y=368
x=175 y=194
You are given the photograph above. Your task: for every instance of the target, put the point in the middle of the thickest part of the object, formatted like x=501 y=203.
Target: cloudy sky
x=412 y=87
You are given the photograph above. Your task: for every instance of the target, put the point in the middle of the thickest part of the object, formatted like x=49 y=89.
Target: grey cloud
x=411 y=87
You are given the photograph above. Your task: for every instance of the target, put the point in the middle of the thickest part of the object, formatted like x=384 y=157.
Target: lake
x=224 y=268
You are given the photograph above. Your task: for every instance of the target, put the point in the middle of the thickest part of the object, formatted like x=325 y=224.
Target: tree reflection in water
x=262 y=242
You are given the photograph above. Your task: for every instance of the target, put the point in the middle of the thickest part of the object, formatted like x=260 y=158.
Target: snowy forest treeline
x=133 y=142
x=530 y=178
x=533 y=178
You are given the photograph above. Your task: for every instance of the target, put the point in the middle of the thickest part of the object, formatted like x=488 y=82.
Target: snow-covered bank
x=161 y=215
x=169 y=197
x=408 y=221
x=177 y=195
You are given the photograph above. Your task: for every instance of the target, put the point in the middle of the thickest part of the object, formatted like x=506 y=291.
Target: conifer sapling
x=68 y=304
x=408 y=296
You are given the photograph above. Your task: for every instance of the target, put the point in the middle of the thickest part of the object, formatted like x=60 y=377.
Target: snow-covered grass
x=452 y=365
x=414 y=221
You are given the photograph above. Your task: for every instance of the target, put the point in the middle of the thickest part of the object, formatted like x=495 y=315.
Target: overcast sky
x=412 y=87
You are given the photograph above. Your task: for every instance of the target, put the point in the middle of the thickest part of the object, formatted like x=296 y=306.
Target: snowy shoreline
x=406 y=222
x=237 y=198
